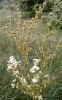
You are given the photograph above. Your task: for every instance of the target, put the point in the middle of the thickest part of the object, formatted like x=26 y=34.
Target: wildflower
x=46 y=75
x=34 y=80
x=40 y=97
x=12 y=62
x=13 y=85
x=36 y=61
x=16 y=72
x=9 y=68
x=29 y=86
x=34 y=69
x=44 y=4
x=23 y=80
x=51 y=13
x=37 y=76
x=11 y=59
x=14 y=80
x=17 y=85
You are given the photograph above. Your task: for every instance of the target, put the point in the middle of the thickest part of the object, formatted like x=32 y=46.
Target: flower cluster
x=26 y=85
x=35 y=78
x=12 y=63
x=35 y=67
x=29 y=83
x=40 y=97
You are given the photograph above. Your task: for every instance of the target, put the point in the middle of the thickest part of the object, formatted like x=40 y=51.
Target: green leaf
x=61 y=6
x=57 y=9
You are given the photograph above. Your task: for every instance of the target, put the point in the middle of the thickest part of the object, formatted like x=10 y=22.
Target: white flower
x=11 y=59
x=34 y=69
x=16 y=72
x=40 y=97
x=13 y=85
x=9 y=68
x=23 y=80
x=14 y=80
x=17 y=85
x=29 y=86
x=34 y=80
x=12 y=62
x=36 y=61
x=46 y=75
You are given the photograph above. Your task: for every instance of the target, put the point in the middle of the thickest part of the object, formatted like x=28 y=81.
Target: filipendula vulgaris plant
x=32 y=78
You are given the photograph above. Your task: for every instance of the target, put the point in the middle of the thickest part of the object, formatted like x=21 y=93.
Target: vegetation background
x=8 y=47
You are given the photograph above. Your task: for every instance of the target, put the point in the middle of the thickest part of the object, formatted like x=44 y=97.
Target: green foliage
x=54 y=7
x=27 y=14
x=49 y=4
x=30 y=6
x=58 y=11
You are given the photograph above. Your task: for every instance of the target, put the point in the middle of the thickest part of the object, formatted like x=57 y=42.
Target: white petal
x=14 y=80
x=46 y=75
x=13 y=85
x=34 y=80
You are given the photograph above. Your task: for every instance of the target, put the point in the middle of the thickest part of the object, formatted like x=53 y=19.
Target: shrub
x=33 y=73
